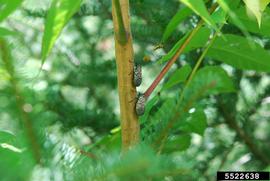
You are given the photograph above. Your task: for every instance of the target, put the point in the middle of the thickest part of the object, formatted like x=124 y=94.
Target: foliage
x=59 y=110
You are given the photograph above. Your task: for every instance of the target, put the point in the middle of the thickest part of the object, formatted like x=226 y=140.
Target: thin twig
x=176 y=55
x=176 y=116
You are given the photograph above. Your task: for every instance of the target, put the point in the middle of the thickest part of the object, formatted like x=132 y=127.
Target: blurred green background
x=73 y=103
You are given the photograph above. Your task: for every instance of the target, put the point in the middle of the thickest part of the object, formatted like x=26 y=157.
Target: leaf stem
x=167 y=67
x=164 y=135
x=199 y=62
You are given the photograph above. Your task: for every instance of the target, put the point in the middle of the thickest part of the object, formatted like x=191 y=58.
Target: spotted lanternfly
x=137 y=77
x=140 y=104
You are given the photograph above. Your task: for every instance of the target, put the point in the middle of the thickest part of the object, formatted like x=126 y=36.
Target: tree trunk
x=125 y=60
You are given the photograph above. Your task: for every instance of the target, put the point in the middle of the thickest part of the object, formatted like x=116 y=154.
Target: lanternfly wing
x=137 y=78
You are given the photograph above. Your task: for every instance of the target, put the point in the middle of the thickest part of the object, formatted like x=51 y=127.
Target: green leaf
x=158 y=120
x=200 y=9
x=7 y=7
x=195 y=123
x=229 y=7
x=219 y=16
x=6 y=32
x=58 y=15
x=208 y=80
x=175 y=21
x=148 y=107
x=238 y=52
x=6 y=137
x=252 y=25
x=15 y=161
x=111 y=141
x=180 y=75
x=14 y=154
x=199 y=40
x=162 y=112
x=256 y=8
x=179 y=143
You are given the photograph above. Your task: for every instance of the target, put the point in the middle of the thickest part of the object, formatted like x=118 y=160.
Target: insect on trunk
x=125 y=63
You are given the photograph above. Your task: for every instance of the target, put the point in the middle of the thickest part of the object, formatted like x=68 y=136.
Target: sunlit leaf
x=200 y=9
x=256 y=7
x=7 y=7
x=58 y=15
x=252 y=25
